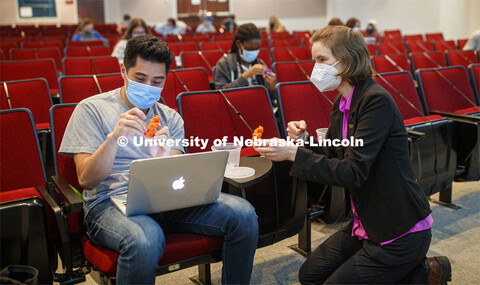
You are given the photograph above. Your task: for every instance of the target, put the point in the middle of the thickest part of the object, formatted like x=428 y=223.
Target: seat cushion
x=475 y=109
x=421 y=120
x=18 y=194
x=179 y=246
x=42 y=126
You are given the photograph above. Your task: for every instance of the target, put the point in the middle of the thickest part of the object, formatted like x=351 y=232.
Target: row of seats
x=301 y=70
x=182 y=250
x=409 y=47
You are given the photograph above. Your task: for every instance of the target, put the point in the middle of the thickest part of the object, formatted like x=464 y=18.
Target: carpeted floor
x=456 y=234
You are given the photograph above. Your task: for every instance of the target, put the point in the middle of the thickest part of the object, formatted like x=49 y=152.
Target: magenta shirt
x=357 y=228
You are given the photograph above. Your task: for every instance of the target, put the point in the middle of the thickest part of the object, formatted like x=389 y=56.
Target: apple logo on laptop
x=178 y=184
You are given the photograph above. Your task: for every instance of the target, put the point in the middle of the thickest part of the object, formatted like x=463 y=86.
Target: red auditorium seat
x=461 y=43
x=44 y=44
x=474 y=72
x=29 y=69
x=463 y=58
x=184 y=80
x=207 y=60
x=446 y=91
x=2 y=55
x=298 y=53
x=218 y=45
x=414 y=38
x=433 y=157
x=419 y=46
x=177 y=48
x=432 y=59
x=87 y=51
x=434 y=36
x=293 y=71
x=393 y=35
x=303 y=101
x=390 y=63
x=38 y=102
x=372 y=50
x=392 y=48
x=203 y=110
x=23 y=196
x=444 y=45
x=74 y=89
x=265 y=55
x=38 y=53
x=290 y=42
x=182 y=250
x=84 y=44
x=90 y=65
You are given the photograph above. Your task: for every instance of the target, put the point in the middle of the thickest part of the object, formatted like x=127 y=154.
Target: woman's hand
x=271 y=78
x=277 y=149
x=256 y=69
x=297 y=130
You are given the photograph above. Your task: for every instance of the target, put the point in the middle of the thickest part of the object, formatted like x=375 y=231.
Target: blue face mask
x=249 y=55
x=142 y=96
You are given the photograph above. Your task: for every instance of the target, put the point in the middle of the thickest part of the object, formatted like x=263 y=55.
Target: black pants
x=343 y=259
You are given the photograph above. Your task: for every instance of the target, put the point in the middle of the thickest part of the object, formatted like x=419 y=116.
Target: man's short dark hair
x=148 y=48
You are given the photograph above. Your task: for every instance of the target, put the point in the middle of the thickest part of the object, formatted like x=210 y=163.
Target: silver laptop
x=170 y=183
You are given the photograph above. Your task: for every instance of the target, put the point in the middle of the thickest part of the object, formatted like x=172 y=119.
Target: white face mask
x=324 y=77
x=356 y=29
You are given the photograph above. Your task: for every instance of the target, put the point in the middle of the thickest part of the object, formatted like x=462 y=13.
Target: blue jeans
x=140 y=240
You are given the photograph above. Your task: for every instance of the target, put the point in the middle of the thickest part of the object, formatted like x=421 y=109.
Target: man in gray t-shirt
x=89 y=126
x=100 y=136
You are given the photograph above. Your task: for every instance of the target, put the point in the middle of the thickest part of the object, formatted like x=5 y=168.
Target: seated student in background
x=274 y=25
x=473 y=42
x=390 y=234
x=137 y=28
x=171 y=27
x=242 y=67
x=86 y=33
x=123 y=26
x=354 y=24
x=102 y=167
x=371 y=30
x=206 y=26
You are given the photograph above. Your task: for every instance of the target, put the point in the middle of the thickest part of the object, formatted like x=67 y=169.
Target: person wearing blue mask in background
x=242 y=67
x=171 y=27
x=206 y=26
x=93 y=135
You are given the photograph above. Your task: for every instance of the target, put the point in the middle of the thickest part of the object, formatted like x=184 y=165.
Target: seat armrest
x=66 y=194
x=457 y=117
x=414 y=135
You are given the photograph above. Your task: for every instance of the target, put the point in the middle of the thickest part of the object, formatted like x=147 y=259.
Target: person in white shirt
x=172 y=27
x=206 y=26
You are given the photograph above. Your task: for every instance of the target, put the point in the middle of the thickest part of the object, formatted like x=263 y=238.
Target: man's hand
x=297 y=130
x=277 y=149
x=161 y=148
x=130 y=123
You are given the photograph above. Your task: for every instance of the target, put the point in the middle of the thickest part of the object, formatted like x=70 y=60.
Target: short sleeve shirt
x=93 y=119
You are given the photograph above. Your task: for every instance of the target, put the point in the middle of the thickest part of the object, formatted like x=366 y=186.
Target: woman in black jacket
x=391 y=231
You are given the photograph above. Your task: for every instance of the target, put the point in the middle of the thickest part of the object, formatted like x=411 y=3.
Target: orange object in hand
x=153 y=126
x=257 y=133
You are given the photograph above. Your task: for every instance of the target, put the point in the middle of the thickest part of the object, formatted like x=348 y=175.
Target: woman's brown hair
x=135 y=23
x=83 y=23
x=348 y=47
